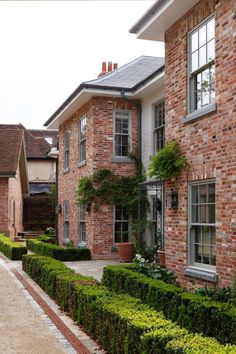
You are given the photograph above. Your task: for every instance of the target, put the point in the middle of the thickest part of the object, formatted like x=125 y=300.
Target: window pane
x=211 y=50
x=118 y=213
x=211 y=29
x=213 y=234
x=198 y=253
x=206 y=254
x=203 y=218
x=212 y=83
x=205 y=87
x=202 y=191
x=202 y=35
x=211 y=193
x=118 y=125
x=194 y=61
x=211 y=213
x=202 y=56
x=213 y=256
x=194 y=194
x=195 y=214
x=194 y=41
x=206 y=237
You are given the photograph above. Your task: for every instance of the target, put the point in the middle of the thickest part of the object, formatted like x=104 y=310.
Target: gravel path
x=22 y=329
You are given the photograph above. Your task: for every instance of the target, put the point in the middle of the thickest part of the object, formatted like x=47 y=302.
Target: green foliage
x=197 y=344
x=122 y=324
x=192 y=311
x=11 y=249
x=167 y=162
x=104 y=187
x=58 y=252
x=152 y=270
x=227 y=295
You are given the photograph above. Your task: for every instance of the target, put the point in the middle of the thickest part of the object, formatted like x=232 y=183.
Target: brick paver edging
x=68 y=334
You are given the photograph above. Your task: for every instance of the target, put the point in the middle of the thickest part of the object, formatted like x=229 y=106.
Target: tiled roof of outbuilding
x=36 y=145
x=10 y=147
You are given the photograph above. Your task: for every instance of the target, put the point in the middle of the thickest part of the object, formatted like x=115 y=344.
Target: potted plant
x=126 y=251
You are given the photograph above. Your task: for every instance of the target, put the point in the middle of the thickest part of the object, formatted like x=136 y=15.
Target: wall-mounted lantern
x=58 y=209
x=172 y=199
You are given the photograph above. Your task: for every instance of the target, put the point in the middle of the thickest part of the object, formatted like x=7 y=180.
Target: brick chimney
x=107 y=67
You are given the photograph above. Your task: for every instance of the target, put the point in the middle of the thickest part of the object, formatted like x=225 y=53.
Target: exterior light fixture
x=172 y=199
x=58 y=209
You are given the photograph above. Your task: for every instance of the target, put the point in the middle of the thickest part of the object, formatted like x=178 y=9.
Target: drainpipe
x=139 y=156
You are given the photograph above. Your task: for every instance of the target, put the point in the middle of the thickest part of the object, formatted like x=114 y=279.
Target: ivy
x=105 y=187
x=168 y=162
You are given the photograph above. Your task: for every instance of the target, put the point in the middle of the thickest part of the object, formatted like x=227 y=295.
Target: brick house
x=13 y=180
x=99 y=126
x=200 y=112
x=37 y=211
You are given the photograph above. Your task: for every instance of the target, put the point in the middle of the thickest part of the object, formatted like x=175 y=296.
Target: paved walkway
x=91 y=268
x=31 y=323
x=22 y=329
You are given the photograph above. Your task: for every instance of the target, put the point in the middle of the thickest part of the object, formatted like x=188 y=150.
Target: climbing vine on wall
x=105 y=187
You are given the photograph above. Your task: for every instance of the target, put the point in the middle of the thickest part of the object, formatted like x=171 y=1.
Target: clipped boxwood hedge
x=58 y=252
x=121 y=323
x=11 y=249
x=196 y=313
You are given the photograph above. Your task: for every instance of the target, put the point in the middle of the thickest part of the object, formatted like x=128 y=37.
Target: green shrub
x=11 y=249
x=196 y=313
x=122 y=324
x=196 y=344
x=58 y=252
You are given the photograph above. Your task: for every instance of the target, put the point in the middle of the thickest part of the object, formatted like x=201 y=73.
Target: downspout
x=139 y=156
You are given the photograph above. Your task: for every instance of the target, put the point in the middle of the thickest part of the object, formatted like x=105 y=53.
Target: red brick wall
x=209 y=142
x=99 y=148
x=4 y=205
x=15 y=194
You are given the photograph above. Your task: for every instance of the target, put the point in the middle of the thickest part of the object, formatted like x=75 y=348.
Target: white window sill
x=210 y=108
x=82 y=163
x=121 y=159
x=201 y=273
x=66 y=170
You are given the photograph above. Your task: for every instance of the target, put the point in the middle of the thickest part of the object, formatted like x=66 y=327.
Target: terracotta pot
x=161 y=257
x=125 y=251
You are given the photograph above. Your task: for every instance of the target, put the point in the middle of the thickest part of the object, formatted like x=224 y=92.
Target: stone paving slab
x=92 y=268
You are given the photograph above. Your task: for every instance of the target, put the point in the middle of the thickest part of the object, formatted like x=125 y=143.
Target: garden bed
x=121 y=323
x=11 y=249
x=191 y=311
x=58 y=252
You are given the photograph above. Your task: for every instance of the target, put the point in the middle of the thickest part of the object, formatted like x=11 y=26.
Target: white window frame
x=157 y=129
x=191 y=257
x=66 y=221
x=82 y=139
x=192 y=74
x=120 y=221
x=66 y=161
x=115 y=112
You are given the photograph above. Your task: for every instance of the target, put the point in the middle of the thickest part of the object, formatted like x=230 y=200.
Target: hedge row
x=196 y=313
x=58 y=252
x=122 y=324
x=11 y=249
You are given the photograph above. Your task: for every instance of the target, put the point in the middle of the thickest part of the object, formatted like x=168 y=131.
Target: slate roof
x=36 y=145
x=128 y=78
x=10 y=147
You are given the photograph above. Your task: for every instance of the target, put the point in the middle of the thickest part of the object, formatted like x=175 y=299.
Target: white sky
x=47 y=48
